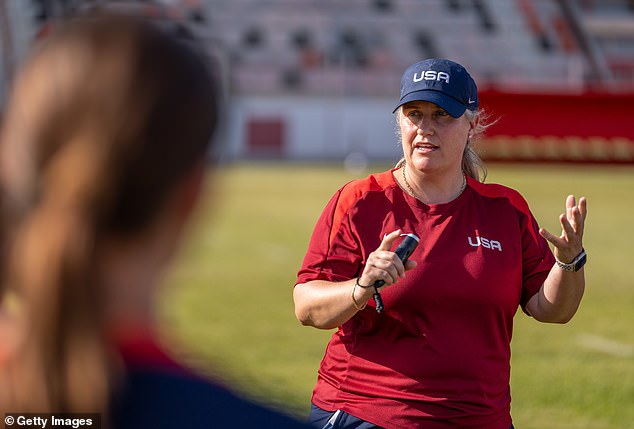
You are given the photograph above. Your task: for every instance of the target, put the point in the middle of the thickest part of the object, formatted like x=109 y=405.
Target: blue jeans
x=339 y=419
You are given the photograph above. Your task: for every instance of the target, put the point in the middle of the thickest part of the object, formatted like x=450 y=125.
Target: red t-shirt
x=439 y=354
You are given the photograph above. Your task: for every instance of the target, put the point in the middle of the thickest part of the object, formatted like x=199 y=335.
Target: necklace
x=410 y=190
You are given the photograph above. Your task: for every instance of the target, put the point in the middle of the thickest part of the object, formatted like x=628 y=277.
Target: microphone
x=403 y=251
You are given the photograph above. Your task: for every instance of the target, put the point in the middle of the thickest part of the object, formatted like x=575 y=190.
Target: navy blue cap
x=442 y=82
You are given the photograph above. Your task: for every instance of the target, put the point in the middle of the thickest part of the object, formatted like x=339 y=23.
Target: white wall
x=319 y=127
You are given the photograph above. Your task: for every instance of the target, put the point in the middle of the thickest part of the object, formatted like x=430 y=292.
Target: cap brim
x=449 y=104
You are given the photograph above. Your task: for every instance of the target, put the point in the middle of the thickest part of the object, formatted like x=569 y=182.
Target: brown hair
x=108 y=115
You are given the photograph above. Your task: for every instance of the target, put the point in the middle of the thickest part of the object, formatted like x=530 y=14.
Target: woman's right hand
x=326 y=305
x=384 y=264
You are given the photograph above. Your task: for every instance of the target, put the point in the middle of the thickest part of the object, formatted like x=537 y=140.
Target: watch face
x=581 y=261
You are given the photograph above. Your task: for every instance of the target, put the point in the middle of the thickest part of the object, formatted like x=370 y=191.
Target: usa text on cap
x=442 y=82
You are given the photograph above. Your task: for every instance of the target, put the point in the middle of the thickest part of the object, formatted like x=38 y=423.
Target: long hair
x=107 y=116
x=472 y=165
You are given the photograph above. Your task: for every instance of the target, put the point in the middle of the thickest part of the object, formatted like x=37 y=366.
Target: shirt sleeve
x=537 y=258
x=333 y=252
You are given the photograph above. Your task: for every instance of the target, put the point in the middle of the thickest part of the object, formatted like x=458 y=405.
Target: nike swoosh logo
x=471 y=101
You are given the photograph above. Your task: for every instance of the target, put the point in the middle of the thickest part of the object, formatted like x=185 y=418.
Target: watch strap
x=576 y=264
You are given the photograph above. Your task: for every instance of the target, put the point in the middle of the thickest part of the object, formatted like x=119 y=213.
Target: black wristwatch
x=576 y=263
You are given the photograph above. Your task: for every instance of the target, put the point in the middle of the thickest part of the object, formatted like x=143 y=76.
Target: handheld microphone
x=403 y=251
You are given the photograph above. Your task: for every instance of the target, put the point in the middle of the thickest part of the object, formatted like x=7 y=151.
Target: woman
x=102 y=160
x=438 y=356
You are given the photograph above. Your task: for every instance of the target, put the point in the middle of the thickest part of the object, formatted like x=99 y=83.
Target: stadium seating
x=311 y=45
x=530 y=45
x=358 y=49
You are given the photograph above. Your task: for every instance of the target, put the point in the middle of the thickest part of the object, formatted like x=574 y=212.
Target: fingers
x=583 y=209
x=582 y=212
x=384 y=266
x=570 y=201
x=548 y=236
x=568 y=229
x=383 y=263
x=569 y=243
x=410 y=265
x=388 y=240
x=575 y=216
x=570 y=204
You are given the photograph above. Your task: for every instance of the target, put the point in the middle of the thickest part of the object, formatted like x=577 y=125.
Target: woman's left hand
x=570 y=243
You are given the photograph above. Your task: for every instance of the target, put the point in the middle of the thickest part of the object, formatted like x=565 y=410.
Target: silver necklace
x=410 y=190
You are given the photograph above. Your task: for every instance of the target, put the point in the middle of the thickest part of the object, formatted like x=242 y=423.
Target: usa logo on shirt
x=486 y=243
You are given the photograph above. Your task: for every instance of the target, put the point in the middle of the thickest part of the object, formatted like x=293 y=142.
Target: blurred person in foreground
x=102 y=160
x=439 y=354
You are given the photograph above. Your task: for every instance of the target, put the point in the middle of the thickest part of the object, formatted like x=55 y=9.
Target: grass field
x=228 y=300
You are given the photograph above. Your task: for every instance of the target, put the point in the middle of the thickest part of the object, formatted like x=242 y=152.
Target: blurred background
x=310 y=86
x=313 y=79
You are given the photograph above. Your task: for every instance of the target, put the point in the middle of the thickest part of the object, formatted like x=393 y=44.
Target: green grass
x=228 y=298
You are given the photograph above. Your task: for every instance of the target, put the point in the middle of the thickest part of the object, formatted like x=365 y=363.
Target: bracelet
x=356 y=283
x=354 y=301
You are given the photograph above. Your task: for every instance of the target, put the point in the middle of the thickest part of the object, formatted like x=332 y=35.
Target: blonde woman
x=438 y=356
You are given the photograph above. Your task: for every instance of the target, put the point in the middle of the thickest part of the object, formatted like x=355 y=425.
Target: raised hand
x=570 y=243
